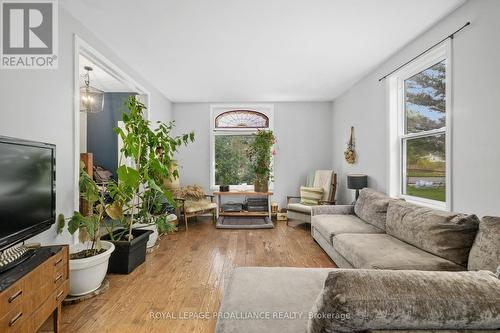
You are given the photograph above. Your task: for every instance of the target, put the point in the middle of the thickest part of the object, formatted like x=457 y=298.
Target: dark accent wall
x=102 y=141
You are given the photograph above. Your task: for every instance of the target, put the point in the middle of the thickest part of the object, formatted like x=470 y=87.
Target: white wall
x=38 y=105
x=303 y=131
x=476 y=113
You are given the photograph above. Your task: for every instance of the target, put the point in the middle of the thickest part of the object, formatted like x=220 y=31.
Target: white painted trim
x=81 y=47
x=396 y=177
x=449 y=125
x=215 y=110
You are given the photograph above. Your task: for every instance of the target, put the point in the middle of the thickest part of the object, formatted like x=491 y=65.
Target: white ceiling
x=99 y=78
x=256 y=50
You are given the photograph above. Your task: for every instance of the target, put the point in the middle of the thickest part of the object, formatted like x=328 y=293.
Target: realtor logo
x=29 y=34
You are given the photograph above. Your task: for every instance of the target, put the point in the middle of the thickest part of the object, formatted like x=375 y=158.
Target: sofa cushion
x=298 y=207
x=332 y=225
x=326 y=245
x=371 y=207
x=485 y=252
x=447 y=235
x=382 y=251
x=381 y=299
x=270 y=290
x=332 y=210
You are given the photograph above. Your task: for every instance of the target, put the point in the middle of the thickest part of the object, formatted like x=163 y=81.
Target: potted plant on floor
x=154 y=216
x=88 y=262
x=150 y=155
x=260 y=154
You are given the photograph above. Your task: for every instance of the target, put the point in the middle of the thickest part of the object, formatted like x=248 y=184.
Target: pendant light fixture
x=91 y=99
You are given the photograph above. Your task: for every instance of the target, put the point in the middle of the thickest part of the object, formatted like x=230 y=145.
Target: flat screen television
x=27 y=189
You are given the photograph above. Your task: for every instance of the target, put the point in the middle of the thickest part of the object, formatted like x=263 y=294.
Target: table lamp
x=357 y=182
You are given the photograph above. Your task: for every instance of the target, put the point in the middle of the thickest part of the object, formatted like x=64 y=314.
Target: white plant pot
x=87 y=274
x=152 y=237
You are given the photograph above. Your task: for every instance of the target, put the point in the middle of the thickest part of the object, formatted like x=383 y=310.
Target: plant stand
x=77 y=299
x=267 y=213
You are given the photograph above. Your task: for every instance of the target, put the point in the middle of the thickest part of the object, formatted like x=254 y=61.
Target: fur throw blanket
x=191 y=192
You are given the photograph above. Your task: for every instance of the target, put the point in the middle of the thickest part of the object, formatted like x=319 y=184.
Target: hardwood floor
x=187 y=274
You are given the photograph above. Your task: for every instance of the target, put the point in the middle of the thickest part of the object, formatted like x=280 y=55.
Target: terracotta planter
x=261 y=184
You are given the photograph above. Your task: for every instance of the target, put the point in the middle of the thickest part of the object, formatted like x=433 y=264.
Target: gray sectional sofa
x=384 y=233
x=415 y=270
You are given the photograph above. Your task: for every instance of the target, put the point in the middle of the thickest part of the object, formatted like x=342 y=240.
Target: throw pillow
x=310 y=195
x=358 y=300
x=371 y=207
x=444 y=234
x=485 y=253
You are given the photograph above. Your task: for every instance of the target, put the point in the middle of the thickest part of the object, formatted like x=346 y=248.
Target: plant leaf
x=129 y=176
x=114 y=211
x=60 y=223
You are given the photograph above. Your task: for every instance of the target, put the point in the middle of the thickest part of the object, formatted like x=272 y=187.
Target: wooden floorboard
x=187 y=274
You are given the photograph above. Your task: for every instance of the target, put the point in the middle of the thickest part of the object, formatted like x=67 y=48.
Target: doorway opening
x=96 y=143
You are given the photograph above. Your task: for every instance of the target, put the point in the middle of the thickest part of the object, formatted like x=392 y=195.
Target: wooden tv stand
x=33 y=290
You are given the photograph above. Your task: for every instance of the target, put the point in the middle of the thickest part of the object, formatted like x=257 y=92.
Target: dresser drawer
x=58 y=259
x=16 y=319
x=44 y=311
x=55 y=281
x=11 y=297
x=59 y=276
x=62 y=291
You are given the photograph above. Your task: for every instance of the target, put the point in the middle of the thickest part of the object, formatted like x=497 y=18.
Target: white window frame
x=217 y=109
x=396 y=125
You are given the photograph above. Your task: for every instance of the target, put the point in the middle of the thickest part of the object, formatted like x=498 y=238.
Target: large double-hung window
x=420 y=127
x=232 y=132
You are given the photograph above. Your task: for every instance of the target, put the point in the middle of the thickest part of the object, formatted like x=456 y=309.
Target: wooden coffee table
x=219 y=195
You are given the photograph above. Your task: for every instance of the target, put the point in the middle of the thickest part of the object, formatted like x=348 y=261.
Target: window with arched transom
x=233 y=128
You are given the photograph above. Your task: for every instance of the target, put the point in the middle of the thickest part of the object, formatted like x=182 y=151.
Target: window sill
x=237 y=188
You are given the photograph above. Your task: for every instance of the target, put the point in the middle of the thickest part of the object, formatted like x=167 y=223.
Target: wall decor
x=350 y=153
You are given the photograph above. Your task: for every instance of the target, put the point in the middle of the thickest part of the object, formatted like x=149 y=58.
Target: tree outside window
x=233 y=133
x=424 y=135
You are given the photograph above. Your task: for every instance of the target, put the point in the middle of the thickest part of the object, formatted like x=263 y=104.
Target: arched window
x=233 y=131
x=241 y=119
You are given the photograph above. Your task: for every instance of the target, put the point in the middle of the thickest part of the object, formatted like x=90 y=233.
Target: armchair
x=192 y=201
x=325 y=179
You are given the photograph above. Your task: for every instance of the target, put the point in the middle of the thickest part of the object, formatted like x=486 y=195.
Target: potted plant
x=153 y=216
x=260 y=153
x=88 y=262
x=150 y=153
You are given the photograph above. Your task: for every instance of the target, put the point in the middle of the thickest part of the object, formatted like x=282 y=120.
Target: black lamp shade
x=357 y=182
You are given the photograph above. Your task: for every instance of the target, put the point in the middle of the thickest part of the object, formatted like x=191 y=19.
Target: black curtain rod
x=428 y=49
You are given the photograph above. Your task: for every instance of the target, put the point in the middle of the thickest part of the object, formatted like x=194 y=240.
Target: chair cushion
x=485 y=252
x=298 y=207
x=310 y=195
x=382 y=299
x=331 y=225
x=193 y=206
x=268 y=290
x=382 y=251
x=190 y=192
x=447 y=235
x=371 y=207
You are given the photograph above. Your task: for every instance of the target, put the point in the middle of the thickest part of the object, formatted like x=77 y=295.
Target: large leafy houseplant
x=261 y=154
x=140 y=187
x=89 y=260
x=89 y=226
